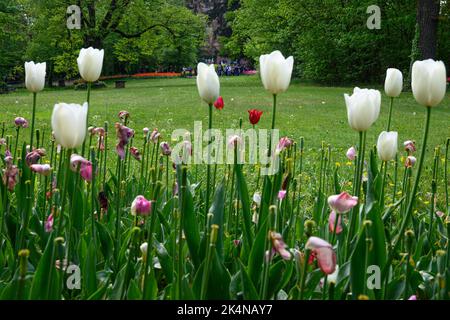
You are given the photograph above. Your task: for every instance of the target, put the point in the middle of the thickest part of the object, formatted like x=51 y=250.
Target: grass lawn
x=316 y=113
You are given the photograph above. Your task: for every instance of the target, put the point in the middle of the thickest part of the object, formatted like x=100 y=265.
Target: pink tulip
x=165 y=148
x=123 y=134
x=85 y=166
x=135 y=153
x=146 y=131
x=43 y=169
x=234 y=140
x=342 y=202
x=34 y=156
x=2 y=141
x=21 y=122
x=281 y=194
x=332 y=223
x=49 y=223
x=409 y=145
x=10 y=176
x=8 y=157
x=279 y=246
x=154 y=136
x=141 y=206
x=323 y=252
x=351 y=153
x=440 y=214
x=123 y=115
x=284 y=143
x=413 y=297
x=410 y=161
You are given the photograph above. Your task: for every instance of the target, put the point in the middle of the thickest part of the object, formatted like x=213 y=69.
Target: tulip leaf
x=40 y=286
x=243 y=196
x=256 y=258
x=248 y=288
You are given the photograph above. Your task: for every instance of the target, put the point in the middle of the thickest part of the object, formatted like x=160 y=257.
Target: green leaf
x=89 y=271
x=165 y=260
x=243 y=196
x=249 y=289
x=219 y=280
x=217 y=208
x=106 y=241
x=40 y=287
x=255 y=261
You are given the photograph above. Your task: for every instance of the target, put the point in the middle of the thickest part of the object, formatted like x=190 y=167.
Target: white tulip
x=363 y=108
x=393 y=84
x=90 y=63
x=69 y=124
x=387 y=145
x=208 y=84
x=144 y=247
x=276 y=71
x=429 y=82
x=35 y=76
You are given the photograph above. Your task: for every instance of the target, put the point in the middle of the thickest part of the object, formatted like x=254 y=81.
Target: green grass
x=316 y=113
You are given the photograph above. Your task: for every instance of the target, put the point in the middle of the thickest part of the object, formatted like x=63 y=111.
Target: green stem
x=390 y=115
x=87 y=115
x=413 y=193
x=304 y=272
x=208 y=166
x=63 y=196
x=274 y=110
x=32 y=120
x=149 y=257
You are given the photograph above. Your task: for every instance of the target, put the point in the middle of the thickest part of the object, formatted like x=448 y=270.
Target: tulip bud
x=69 y=124
x=90 y=63
x=35 y=76
x=140 y=206
x=410 y=161
x=257 y=198
x=363 y=108
x=208 y=84
x=393 y=84
x=387 y=145
x=275 y=71
x=219 y=103
x=409 y=145
x=21 y=122
x=254 y=115
x=429 y=82
x=165 y=148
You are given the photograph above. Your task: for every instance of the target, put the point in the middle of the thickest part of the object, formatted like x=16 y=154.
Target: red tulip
x=219 y=103
x=254 y=115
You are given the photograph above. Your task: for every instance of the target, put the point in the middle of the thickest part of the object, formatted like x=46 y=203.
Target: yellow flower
x=338 y=164
x=349 y=163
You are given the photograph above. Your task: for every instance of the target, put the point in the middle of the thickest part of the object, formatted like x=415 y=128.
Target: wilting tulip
x=2 y=141
x=410 y=147
x=208 y=84
x=123 y=115
x=69 y=124
x=10 y=175
x=34 y=156
x=21 y=122
x=332 y=223
x=43 y=169
x=363 y=108
x=323 y=252
x=90 y=63
x=135 y=153
x=279 y=246
x=124 y=135
x=35 y=76
x=165 y=148
x=410 y=161
x=342 y=202
x=429 y=82
x=85 y=166
x=218 y=104
x=8 y=157
x=234 y=140
x=393 y=84
x=387 y=145
x=351 y=153
x=154 y=136
x=141 y=206
x=48 y=226
x=103 y=200
x=284 y=143
x=254 y=115
x=146 y=131
x=275 y=71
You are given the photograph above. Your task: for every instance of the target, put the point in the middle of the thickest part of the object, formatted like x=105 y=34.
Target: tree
x=427 y=18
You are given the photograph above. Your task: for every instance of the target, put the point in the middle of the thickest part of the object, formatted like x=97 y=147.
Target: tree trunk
x=427 y=18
